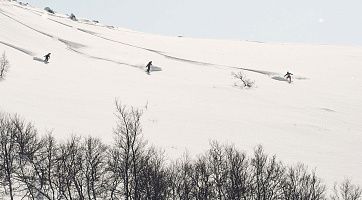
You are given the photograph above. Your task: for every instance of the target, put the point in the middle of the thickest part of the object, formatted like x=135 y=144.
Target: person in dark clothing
x=288 y=76
x=47 y=57
x=149 y=67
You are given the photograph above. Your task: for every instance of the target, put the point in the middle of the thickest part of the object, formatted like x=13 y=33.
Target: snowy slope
x=191 y=99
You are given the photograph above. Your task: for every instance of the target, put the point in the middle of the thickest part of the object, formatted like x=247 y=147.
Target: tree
x=267 y=176
x=247 y=83
x=28 y=152
x=346 y=191
x=202 y=179
x=237 y=174
x=8 y=154
x=95 y=168
x=153 y=175
x=183 y=171
x=217 y=165
x=46 y=163
x=127 y=151
x=298 y=183
x=172 y=180
x=4 y=66
x=74 y=167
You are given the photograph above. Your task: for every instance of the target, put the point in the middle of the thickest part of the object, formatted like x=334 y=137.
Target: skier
x=47 y=57
x=288 y=76
x=149 y=67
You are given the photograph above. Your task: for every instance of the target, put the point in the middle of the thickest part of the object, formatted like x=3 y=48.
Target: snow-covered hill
x=191 y=98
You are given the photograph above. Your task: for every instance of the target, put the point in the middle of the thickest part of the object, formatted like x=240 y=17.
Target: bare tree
x=238 y=176
x=183 y=178
x=68 y=178
x=28 y=152
x=8 y=153
x=172 y=180
x=267 y=176
x=346 y=191
x=47 y=163
x=114 y=167
x=300 y=184
x=247 y=83
x=153 y=175
x=217 y=165
x=202 y=179
x=128 y=149
x=61 y=174
x=95 y=168
x=4 y=66
x=75 y=167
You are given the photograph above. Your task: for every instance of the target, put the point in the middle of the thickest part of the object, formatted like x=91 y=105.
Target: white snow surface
x=191 y=98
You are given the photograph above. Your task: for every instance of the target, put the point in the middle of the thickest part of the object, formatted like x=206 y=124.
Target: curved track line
x=105 y=59
x=30 y=53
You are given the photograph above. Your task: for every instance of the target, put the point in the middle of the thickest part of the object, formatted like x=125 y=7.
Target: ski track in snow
x=64 y=24
x=279 y=78
x=30 y=53
x=24 y=7
x=105 y=59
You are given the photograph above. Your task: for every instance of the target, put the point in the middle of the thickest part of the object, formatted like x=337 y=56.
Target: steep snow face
x=191 y=98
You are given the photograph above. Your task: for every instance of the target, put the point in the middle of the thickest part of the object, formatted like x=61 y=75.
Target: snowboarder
x=149 y=67
x=288 y=76
x=47 y=57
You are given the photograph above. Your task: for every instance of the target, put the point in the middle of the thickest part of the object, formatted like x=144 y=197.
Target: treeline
x=34 y=167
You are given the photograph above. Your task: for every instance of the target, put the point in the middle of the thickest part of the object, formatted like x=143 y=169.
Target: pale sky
x=305 y=21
